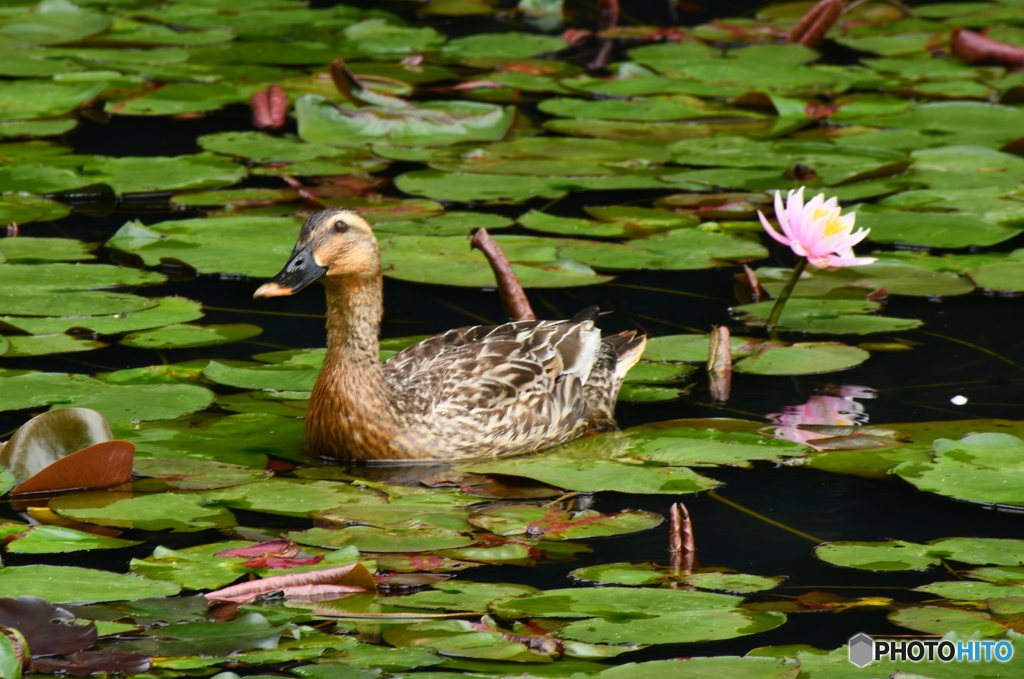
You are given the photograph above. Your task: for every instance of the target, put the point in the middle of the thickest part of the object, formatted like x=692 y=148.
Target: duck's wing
x=535 y=365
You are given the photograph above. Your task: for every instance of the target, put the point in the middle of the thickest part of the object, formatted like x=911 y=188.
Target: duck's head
x=332 y=242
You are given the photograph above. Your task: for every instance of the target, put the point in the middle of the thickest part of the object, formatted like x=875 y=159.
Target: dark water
x=970 y=345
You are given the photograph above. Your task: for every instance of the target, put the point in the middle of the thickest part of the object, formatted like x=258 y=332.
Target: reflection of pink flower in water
x=837 y=406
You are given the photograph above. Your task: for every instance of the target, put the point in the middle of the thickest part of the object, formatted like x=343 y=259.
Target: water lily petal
x=772 y=232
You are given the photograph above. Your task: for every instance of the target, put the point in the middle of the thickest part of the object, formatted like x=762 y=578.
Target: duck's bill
x=300 y=271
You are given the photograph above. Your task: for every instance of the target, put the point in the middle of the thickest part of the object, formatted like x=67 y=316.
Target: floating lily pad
x=56 y=539
x=980 y=468
x=42 y=345
x=803 y=358
x=167 y=310
x=118 y=403
x=898 y=278
x=833 y=316
x=52 y=22
x=244 y=439
x=423 y=124
x=256 y=246
x=289 y=496
x=899 y=555
x=557 y=524
x=24 y=208
x=180 y=335
x=513 y=45
x=600 y=475
x=69 y=584
x=164 y=173
x=179 y=98
x=24 y=99
x=178 y=512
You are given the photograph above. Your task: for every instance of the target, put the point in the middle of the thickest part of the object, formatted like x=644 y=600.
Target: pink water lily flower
x=817 y=230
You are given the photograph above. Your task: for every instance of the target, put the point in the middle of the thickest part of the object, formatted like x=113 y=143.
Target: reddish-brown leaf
x=975 y=48
x=99 y=466
x=355 y=577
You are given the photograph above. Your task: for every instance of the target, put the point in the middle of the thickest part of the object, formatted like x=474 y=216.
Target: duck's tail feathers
x=629 y=347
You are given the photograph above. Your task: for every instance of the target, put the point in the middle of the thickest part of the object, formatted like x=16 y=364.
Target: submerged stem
x=773 y=319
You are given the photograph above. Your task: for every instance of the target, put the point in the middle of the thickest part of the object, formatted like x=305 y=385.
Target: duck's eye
x=340 y=227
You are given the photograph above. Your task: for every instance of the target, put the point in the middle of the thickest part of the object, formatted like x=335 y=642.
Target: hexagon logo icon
x=862 y=650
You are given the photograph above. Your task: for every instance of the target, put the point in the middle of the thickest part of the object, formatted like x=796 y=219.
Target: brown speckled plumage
x=468 y=392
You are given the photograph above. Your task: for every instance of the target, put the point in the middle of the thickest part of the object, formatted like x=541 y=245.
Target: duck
x=470 y=392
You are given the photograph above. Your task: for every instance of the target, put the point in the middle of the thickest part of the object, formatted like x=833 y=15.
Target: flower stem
x=773 y=318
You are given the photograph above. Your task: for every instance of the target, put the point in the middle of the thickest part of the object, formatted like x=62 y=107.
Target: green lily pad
x=26 y=99
x=284 y=377
x=596 y=475
x=245 y=439
x=557 y=524
x=1000 y=276
x=833 y=316
x=164 y=173
x=897 y=277
x=193 y=567
x=942 y=124
x=52 y=22
x=179 y=98
x=178 y=512
x=939 y=620
x=536 y=261
x=289 y=496
x=803 y=358
x=69 y=584
x=42 y=345
x=650 y=574
x=513 y=45
x=116 y=402
x=899 y=555
x=370 y=539
x=256 y=246
x=748 y=667
x=176 y=474
x=167 y=310
x=423 y=124
x=56 y=539
x=179 y=335
x=980 y=468
x=24 y=208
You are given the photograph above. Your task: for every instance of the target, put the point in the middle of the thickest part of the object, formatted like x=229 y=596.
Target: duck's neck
x=355 y=307
x=351 y=411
